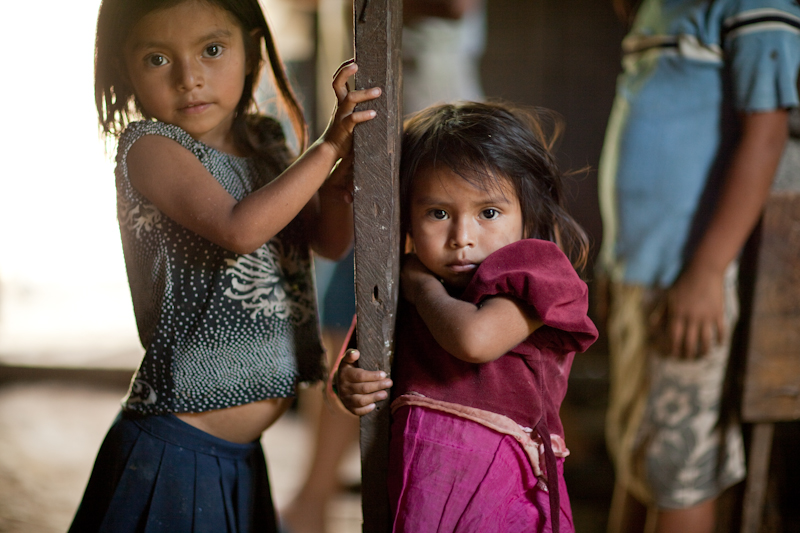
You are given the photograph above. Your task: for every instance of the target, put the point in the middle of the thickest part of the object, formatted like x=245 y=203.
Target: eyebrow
x=432 y=200
x=216 y=34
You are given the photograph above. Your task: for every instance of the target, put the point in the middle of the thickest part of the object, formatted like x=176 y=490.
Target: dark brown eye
x=156 y=60
x=213 y=50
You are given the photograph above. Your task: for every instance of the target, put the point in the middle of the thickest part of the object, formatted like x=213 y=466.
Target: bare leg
x=698 y=519
x=306 y=513
x=627 y=515
x=336 y=431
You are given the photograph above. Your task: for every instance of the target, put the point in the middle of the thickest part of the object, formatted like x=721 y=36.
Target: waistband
x=169 y=428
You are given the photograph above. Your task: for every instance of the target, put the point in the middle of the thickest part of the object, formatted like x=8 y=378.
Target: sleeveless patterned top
x=219 y=329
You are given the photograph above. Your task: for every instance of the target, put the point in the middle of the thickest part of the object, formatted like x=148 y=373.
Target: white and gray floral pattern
x=272 y=282
x=139 y=217
x=674 y=404
x=690 y=456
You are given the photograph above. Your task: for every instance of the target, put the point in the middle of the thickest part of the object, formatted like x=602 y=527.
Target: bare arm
x=177 y=183
x=329 y=214
x=475 y=334
x=696 y=300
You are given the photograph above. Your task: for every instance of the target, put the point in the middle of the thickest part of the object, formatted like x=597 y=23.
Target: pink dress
x=474 y=446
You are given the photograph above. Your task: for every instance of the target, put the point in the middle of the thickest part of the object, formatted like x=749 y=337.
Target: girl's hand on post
x=360 y=389
x=339 y=133
x=331 y=211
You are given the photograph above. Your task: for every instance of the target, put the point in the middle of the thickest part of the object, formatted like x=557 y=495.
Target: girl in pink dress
x=492 y=316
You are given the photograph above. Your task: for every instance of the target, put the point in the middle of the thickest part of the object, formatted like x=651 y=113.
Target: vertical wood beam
x=757 y=476
x=377 y=27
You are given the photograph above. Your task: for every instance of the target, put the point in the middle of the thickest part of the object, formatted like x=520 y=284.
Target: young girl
x=216 y=233
x=493 y=315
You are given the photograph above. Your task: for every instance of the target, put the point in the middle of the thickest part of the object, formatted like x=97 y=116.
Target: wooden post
x=772 y=374
x=377 y=28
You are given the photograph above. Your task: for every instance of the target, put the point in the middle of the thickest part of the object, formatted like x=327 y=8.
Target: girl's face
x=187 y=65
x=455 y=225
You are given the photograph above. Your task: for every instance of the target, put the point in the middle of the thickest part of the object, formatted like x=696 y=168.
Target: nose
x=188 y=75
x=461 y=234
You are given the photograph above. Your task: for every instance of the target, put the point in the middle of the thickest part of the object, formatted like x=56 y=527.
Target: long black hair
x=488 y=142
x=116 y=103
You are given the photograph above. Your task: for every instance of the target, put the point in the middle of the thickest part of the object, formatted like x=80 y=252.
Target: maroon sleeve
x=537 y=272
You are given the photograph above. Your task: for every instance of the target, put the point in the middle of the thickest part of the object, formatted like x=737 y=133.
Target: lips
x=193 y=108
x=462 y=266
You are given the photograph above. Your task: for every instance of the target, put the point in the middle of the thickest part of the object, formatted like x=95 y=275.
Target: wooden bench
x=772 y=369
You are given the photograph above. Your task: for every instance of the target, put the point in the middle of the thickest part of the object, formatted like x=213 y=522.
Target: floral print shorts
x=663 y=428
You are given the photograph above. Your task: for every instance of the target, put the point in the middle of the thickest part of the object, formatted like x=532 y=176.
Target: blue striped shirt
x=689 y=67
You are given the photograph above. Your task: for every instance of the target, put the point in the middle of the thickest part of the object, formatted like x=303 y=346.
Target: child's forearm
x=332 y=236
x=696 y=300
x=175 y=181
x=747 y=183
x=471 y=333
x=265 y=212
x=330 y=213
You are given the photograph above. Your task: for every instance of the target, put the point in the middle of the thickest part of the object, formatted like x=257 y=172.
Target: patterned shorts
x=663 y=425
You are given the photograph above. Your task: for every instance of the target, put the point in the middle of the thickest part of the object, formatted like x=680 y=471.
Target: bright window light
x=64 y=298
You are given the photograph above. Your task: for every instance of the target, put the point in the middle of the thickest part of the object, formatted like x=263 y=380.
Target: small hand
x=339 y=132
x=696 y=313
x=413 y=277
x=360 y=389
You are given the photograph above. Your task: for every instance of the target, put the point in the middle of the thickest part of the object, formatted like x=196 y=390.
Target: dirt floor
x=50 y=433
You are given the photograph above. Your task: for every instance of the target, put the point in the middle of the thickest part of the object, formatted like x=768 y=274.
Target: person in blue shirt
x=695 y=135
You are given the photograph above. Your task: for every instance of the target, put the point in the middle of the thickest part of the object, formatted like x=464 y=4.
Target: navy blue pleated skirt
x=159 y=474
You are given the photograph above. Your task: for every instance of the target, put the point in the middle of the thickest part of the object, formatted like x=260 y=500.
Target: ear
x=409 y=244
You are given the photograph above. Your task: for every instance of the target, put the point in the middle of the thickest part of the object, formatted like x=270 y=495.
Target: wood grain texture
x=378 y=27
x=757 y=474
x=772 y=375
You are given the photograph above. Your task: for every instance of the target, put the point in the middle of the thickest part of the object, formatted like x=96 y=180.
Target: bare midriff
x=240 y=424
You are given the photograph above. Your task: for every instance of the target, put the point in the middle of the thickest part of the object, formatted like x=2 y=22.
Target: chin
x=457 y=284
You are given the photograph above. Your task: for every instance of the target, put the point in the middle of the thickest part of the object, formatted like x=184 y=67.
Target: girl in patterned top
x=492 y=316
x=216 y=225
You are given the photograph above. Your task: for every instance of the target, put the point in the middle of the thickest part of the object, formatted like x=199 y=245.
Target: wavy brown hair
x=488 y=142
x=116 y=103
